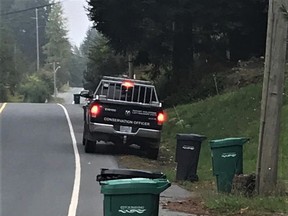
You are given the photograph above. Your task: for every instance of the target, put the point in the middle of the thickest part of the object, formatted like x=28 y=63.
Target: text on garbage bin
x=132 y=209
x=228 y=154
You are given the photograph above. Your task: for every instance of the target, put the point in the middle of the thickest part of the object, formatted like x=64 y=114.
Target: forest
x=33 y=38
x=175 y=43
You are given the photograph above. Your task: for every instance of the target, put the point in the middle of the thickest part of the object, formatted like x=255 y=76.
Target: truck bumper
x=109 y=129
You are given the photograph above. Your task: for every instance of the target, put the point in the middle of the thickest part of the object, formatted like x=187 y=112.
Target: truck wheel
x=83 y=140
x=151 y=147
x=90 y=146
x=152 y=153
x=83 y=137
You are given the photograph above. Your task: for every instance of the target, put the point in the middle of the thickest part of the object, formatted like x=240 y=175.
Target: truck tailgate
x=128 y=118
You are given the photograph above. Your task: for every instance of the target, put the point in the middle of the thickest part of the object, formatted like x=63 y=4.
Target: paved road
x=37 y=157
x=69 y=95
x=38 y=163
x=173 y=193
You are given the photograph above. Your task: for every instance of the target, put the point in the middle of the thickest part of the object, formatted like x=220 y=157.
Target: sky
x=77 y=20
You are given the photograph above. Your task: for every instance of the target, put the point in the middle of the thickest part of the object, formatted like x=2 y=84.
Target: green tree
x=5 y=5
x=77 y=66
x=88 y=42
x=6 y=61
x=181 y=37
x=35 y=89
x=18 y=40
x=138 y=27
x=24 y=27
x=58 y=48
x=284 y=11
x=180 y=29
x=10 y=62
x=102 y=59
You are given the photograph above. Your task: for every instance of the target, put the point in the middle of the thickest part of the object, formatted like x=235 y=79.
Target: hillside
x=233 y=114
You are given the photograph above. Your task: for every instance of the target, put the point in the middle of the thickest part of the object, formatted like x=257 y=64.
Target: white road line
x=76 y=188
x=2 y=107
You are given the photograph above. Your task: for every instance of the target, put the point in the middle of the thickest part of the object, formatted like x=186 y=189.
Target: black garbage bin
x=187 y=156
x=76 y=98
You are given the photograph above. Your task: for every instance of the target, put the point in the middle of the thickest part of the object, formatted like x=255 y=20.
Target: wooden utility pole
x=272 y=93
x=37 y=39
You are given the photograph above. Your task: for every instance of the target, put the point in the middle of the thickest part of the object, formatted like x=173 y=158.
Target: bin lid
x=109 y=174
x=232 y=141
x=191 y=136
x=134 y=186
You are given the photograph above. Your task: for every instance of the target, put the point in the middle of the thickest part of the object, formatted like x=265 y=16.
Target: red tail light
x=161 y=118
x=128 y=84
x=94 y=110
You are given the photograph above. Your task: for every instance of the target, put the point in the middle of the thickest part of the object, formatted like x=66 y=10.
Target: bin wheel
x=90 y=146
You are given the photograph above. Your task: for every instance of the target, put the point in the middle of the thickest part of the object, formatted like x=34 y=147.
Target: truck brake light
x=161 y=118
x=94 y=110
x=128 y=84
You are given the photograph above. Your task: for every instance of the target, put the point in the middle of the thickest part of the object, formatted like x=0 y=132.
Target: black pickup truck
x=125 y=112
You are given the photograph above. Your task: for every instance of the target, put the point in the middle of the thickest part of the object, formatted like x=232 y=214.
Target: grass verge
x=222 y=204
x=233 y=114
x=16 y=98
x=56 y=100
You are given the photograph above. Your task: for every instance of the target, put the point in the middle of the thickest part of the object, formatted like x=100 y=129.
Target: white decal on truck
x=110 y=109
x=125 y=121
x=143 y=112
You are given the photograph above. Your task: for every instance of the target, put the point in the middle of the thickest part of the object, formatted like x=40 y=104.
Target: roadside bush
x=190 y=91
x=3 y=93
x=35 y=90
x=47 y=77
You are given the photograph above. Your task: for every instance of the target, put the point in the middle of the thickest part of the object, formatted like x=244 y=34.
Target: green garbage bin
x=134 y=196
x=227 y=160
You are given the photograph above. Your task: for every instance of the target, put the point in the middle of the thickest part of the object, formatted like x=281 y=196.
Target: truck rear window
x=135 y=92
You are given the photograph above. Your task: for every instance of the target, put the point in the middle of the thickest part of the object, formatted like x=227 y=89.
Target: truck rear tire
x=84 y=133
x=152 y=153
x=151 y=147
x=90 y=146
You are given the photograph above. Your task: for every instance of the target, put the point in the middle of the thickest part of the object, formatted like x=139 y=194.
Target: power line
x=27 y=9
